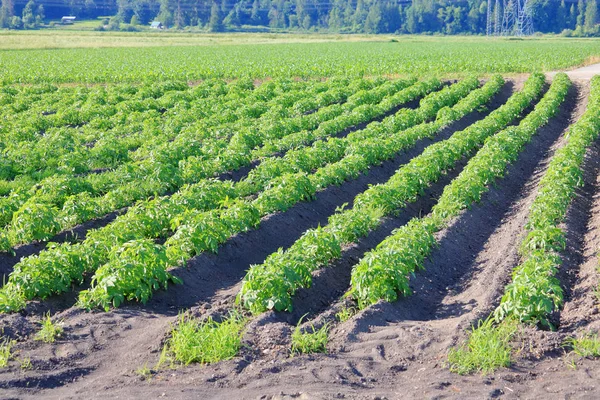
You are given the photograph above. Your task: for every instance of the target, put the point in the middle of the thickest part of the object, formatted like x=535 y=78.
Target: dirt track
x=386 y=351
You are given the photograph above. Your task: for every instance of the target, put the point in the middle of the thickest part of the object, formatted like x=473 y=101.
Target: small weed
x=50 y=331
x=25 y=363
x=588 y=346
x=345 y=314
x=194 y=341
x=5 y=352
x=310 y=342
x=597 y=292
x=144 y=372
x=487 y=349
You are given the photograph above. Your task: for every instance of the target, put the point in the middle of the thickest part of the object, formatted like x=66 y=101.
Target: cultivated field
x=301 y=220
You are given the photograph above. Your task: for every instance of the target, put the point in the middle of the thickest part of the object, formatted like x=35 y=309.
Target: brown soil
x=388 y=350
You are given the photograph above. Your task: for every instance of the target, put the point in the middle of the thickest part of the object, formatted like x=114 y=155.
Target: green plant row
x=54 y=270
x=27 y=185
x=205 y=230
x=35 y=147
x=272 y=285
x=55 y=189
x=307 y=159
x=384 y=272
x=158 y=217
x=535 y=292
x=79 y=205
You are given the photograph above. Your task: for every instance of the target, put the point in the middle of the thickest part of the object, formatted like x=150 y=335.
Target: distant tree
x=7 y=11
x=572 y=21
x=114 y=23
x=255 y=16
x=336 y=19
x=40 y=15
x=165 y=13
x=591 y=16
x=15 y=22
x=359 y=17
x=580 y=15
x=28 y=18
x=307 y=22
x=562 y=17
x=391 y=20
x=215 y=23
x=134 y=20
x=233 y=18
x=373 y=21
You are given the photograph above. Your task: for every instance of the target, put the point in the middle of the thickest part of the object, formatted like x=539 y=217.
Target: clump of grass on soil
x=49 y=331
x=487 y=348
x=315 y=341
x=586 y=346
x=204 y=342
x=5 y=352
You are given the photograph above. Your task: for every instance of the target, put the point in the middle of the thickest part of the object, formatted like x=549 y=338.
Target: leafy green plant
x=134 y=271
x=26 y=363
x=384 y=272
x=346 y=313
x=33 y=221
x=535 y=291
x=272 y=284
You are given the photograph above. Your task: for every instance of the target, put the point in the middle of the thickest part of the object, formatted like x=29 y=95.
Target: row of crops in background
x=421 y=57
x=66 y=198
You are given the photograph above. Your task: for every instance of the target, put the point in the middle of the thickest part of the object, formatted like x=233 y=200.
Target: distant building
x=157 y=25
x=67 y=20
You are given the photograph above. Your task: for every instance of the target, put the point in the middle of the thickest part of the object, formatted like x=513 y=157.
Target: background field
x=102 y=58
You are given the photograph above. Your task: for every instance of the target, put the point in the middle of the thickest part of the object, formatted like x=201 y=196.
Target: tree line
x=570 y=17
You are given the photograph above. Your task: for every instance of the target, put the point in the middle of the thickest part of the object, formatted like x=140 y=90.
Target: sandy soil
x=388 y=350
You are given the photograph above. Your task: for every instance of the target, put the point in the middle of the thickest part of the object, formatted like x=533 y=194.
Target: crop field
x=301 y=220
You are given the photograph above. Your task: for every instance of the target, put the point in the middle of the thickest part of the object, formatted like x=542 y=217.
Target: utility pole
x=517 y=18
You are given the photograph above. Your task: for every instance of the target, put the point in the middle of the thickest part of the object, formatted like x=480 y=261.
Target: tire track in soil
x=79 y=232
x=209 y=278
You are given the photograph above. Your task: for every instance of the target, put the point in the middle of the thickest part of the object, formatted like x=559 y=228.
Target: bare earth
x=388 y=350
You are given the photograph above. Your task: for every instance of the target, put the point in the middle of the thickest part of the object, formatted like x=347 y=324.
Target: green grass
x=50 y=331
x=204 y=342
x=5 y=352
x=587 y=346
x=487 y=348
x=313 y=341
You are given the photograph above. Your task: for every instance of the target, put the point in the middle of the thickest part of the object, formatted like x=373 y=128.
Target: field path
x=583 y=73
